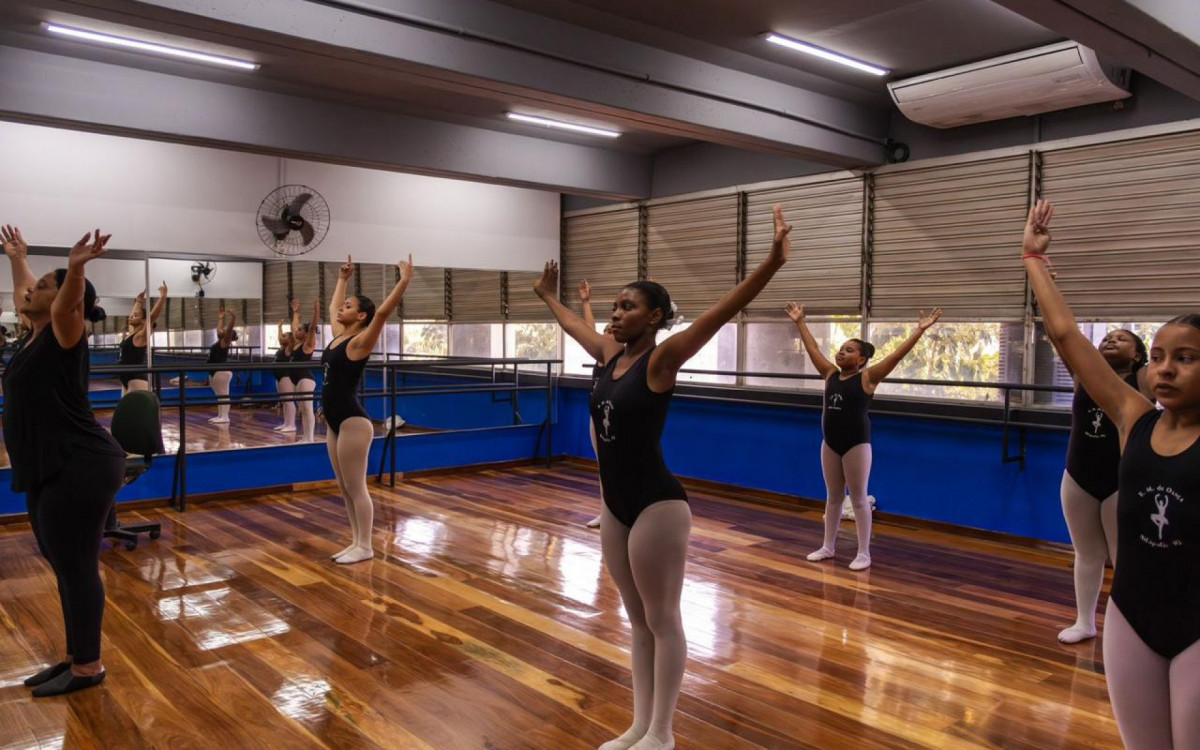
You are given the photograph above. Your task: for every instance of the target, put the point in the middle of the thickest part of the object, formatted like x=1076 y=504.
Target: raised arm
x=18 y=258
x=875 y=374
x=1122 y=404
x=159 y=305
x=226 y=321
x=279 y=333
x=361 y=346
x=310 y=341
x=825 y=368
x=339 y=295
x=585 y=302
x=295 y=305
x=66 y=312
x=671 y=355
x=598 y=346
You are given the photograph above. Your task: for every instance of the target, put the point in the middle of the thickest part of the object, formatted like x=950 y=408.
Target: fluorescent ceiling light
x=547 y=122
x=160 y=49
x=825 y=54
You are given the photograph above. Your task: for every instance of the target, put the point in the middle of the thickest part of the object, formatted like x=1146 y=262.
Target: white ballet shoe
x=627 y=740
x=355 y=555
x=339 y=553
x=860 y=562
x=650 y=743
x=594 y=523
x=288 y=428
x=822 y=554
x=1077 y=634
x=219 y=420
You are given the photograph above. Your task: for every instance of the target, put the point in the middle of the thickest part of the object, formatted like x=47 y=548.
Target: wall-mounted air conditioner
x=1045 y=79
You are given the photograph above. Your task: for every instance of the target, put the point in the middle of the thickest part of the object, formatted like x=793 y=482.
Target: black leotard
x=1094 y=450
x=629 y=420
x=281 y=355
x=47 y=416
x=131 y=354
x=339 y=397
x=299 y=355
x=1157 y=581
x=844 y=421
x=217 y=354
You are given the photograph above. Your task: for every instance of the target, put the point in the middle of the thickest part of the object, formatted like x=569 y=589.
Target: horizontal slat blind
x=601 y=248
x=249 y=311
x=425 y=298
x=1126 y=244
x=275 y=299
x=172 y=316
x=824 y=272
x=524 y=305
x=950 y=237
x=306 y=287
x=370 y=277
x=691 y=249
x=475 y=296
x=210 y=307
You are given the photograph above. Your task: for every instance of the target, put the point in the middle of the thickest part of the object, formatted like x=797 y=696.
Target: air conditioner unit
x=1045 y=79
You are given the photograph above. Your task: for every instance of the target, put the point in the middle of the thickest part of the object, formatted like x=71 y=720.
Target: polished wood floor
x=487 y=621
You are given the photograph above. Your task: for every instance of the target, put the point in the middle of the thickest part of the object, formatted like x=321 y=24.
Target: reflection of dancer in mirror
x=357 y=326
x=67 y=465
x=1089 y=483
x=133 y=346
x=846 y=448
x=283 y=381
x=646 y=522
x=304 y=343
x=1152 y=623
x=585 y=299
x=218 y=354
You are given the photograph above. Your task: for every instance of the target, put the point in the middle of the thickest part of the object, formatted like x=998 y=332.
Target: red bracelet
x=1039 y=256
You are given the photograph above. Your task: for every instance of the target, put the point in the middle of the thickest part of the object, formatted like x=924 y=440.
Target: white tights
x=851 y=470
x=647 y=564
x=1093 y=527
x=286 y=388
x=220 y=386
x=309 y=422
x=1156 y=700
x=348 y=449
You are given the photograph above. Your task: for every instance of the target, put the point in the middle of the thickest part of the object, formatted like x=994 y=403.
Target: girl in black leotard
x=1152 y=624
x=846 y=446
x=357 y=326
x=218 y=354
x=1089 y=483
x=646 y=522
x=283 y=382
x=303 y=345
x=67 y=465
x=133 y=346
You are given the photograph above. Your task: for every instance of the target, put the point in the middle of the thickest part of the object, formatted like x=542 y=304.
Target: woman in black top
x=304 y=343
x=846 y=431
x=646 y=522
x=1152 y=623
x=357 y=326
x=1089 y=484
x=137 y=334
x=67 y=465
x=283 y=382
x=218 y=354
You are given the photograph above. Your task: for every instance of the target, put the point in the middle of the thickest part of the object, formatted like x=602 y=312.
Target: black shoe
x=67 y=682
x=47 y=674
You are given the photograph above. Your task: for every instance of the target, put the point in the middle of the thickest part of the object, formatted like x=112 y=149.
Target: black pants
x=67 y=514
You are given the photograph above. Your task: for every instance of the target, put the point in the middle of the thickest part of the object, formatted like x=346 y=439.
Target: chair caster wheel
x=131 y=546
x=155 y=533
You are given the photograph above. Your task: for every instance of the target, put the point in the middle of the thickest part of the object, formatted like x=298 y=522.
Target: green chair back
x=136 y=424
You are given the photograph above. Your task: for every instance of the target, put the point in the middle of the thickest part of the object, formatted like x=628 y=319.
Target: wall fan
x=202 y=273
x=293 y=219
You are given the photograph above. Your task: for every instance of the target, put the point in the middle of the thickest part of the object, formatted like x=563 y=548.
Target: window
x=391 y=338
x=720 y=353
x=193 y=339
x=426 y=338
x=477 y=340
x=983 y=352
x=1049 y=368
x=575 y=360
x=161 y=339
x=533 y=341
x=776 y=347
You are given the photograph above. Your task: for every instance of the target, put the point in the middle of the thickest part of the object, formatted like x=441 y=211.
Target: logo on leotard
x=605 y=434
x=326 y=371
x=1094 y=429
x=835 y=401
x=1165 y=499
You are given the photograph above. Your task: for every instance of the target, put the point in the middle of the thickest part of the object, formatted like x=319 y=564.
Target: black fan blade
x=307 y=232
x=298 y=203
x=276 y=227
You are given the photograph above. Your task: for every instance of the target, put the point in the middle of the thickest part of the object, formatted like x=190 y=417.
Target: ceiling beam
x=100 y=97
x=489 y=50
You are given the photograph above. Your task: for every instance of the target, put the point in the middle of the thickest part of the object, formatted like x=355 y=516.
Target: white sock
x=1077 y=633
x=650 y=743
x=625 y=741
x=822 y=554
x=355 y=555
x=339 y=553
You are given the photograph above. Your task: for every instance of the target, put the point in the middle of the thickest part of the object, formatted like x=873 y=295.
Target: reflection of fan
x=202 y=273
x=293 y=219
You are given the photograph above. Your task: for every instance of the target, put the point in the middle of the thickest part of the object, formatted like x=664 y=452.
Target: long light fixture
x=824 y=54
x=561 y=125
x=158 y=49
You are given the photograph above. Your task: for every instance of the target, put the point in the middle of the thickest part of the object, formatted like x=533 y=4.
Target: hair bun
x=97 y=314
x=675 y=318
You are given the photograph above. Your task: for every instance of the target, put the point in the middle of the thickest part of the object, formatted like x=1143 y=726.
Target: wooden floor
x=486 y=621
